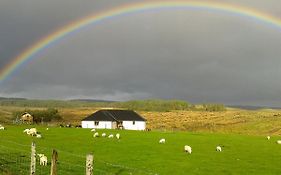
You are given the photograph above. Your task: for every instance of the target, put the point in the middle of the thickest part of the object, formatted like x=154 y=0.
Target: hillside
x=254 y=122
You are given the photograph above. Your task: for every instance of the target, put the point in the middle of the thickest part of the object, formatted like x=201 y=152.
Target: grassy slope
x=140 y=152
x=258 y=122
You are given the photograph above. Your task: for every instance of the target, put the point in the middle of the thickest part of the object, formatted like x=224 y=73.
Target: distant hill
x=5 y=98
x=93 y=100
x=140 y=105
x=247 y=107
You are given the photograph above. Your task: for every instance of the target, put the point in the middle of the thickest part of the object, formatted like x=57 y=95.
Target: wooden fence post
x=33 y=159
x=89 y=164
x=54 y=163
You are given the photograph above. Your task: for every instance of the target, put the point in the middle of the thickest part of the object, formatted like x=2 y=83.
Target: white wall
x=139 y=125
x=101 y=125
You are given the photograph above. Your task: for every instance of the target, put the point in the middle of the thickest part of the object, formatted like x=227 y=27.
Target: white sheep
x=2 y=128
x=103 y=134
x=26 y=130
x=47 y=129
x=218 y=148
x=96 y=134
x=162 y=141
x=39 y=136
x=268 y=137
x=278 y=142
x=110 y=136
x=187 y=149
x=32 y=132
x=43 y=159
x=93 y=130
x=118 y=136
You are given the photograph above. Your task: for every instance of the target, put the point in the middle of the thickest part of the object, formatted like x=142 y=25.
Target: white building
x=112 y=119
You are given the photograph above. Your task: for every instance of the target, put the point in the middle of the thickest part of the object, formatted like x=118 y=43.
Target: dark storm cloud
x=191 y=55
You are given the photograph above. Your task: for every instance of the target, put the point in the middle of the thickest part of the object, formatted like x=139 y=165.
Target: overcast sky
x=194 y=55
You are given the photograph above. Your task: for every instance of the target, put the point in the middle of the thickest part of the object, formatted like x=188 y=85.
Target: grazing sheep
x=162 y=141
x=2 y=128
x=103 y=134
x=110 y=136
x=26 y=130
x=68 y=126
x=47 y=129
x=268 y=137
x=39 y=136
x=32 y=132
x=43 y=159
x=218 y=148
x=187 y=149
x=93 y=130
x=96 y=134
x=118 y=136
x=278 y=142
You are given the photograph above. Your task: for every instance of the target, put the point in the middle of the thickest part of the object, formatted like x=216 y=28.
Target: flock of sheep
x=188 y=148
x=32 y=132
x=43 y=159
x=96 y=134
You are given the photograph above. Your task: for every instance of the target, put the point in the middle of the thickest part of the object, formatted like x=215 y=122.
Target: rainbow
x=43 y=43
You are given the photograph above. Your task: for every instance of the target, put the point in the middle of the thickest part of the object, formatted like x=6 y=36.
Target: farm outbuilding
x=26 y=118
x=113 y=119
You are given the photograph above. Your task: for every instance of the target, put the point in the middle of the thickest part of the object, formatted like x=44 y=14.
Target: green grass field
x=140 y=153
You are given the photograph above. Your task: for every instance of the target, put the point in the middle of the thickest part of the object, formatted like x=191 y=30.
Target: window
x=134 y=122
x=96 y=123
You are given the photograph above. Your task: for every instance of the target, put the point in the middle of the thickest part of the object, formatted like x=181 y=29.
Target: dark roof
x=114 y=115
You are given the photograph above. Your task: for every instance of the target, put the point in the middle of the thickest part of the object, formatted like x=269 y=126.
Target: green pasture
x=139 y=152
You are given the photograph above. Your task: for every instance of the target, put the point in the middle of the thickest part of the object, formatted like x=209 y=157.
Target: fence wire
x=15 y=160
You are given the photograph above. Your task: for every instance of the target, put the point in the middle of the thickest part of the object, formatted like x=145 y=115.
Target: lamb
x=96 y=134
x=2 y=127
x=278 y=142
x=110 y=136
x=187 y=149
x=39 y=136
x=118 y=136
x=268 y=137
x=218 y=148
x=93 y=130
x=103 y=135
x=43 y=159
x=162 y=141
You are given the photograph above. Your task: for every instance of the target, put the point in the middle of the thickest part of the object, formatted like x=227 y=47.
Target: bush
x=48 y=115
x=214 y=107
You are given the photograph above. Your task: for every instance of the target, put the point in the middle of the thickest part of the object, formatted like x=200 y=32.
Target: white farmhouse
x=113 y=119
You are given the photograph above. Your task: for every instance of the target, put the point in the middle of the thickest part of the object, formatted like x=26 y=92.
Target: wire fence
x=15 y=159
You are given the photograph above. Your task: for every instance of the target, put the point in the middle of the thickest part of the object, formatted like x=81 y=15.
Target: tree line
x=139 y=105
